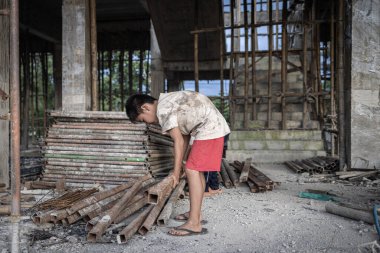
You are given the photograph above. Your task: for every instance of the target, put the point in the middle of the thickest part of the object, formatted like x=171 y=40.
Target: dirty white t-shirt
x=193 y=113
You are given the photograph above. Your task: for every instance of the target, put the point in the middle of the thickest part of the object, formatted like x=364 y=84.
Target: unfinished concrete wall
x=365 y=77
x=76 y=57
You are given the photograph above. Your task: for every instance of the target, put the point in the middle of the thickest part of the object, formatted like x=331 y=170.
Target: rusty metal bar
x=231 y=173
x=134 y=226
x=341 y=92
x=110 y=67
x=168 y=209
x=284 y=61
x=246 y=113
x=232 y=74
x=245 y=170
x=97 y=197
x=221 y=65
x=151 y=218
x=253 y=56
x=131 y=209
x=121 y=77
x=96 y=232
x=196 y=66
x=332 y=76
x=304 y=65
x=226 y=180
x=157 y=192
x=270 y=42
x=94 y=57
x=15 y=107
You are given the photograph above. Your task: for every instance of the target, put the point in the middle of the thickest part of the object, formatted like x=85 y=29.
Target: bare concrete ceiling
x=125 y=24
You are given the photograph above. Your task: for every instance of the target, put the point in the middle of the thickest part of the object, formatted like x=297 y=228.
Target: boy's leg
x=196 y=183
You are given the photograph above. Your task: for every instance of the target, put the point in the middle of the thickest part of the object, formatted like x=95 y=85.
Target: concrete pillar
x=57 y=74
x=156 y=68
x=4 y=94
x=76 y=56
x=365 y=85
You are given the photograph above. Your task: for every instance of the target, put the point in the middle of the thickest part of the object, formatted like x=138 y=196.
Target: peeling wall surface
x=365 y=93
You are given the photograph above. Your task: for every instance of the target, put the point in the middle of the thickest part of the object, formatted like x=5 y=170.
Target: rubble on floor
x=326 y=169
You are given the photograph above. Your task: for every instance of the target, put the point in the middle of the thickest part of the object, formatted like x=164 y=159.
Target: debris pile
x=327 y=169
x=130 y=208
x=232 y=174
x=103 y=147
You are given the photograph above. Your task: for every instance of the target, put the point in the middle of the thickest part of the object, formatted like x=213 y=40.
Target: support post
x=15 y=107
x=94 y=57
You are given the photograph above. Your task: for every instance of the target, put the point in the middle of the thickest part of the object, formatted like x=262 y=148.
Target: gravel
x=238 y=221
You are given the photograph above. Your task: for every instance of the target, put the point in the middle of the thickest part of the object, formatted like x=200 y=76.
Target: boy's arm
x=180 y=145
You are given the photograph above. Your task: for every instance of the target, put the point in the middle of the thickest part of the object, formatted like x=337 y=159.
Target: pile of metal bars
x=314 y=165
x=103 y=147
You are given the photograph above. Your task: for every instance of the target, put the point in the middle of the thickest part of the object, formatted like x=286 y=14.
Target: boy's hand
x=175 y=179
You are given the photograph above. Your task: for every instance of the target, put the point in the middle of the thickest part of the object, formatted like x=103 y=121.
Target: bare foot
x=212 y=192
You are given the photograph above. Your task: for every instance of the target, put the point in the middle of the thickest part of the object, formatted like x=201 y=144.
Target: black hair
x=134 y=103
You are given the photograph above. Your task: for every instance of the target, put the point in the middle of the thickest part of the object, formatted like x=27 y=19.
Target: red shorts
x=206 y=155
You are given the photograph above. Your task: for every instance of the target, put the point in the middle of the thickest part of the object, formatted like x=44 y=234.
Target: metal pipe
x=157 y=191
x=134 y=226
x=270 y=41
x=332 y=75
x=246 y=113
x=231 y=173
x=15 y=106
x=196 y=70
x=226 y=180
x=253 y=56
x=168 y=209
x=232 y=58
x=284 y=61
x=97 y=231
x=340 y=82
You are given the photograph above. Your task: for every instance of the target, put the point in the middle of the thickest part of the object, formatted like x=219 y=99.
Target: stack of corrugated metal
x=103 y=147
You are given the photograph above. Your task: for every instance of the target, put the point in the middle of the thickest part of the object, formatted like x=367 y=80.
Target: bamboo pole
x=284 y=61
x=270 y=41
x=94 y=57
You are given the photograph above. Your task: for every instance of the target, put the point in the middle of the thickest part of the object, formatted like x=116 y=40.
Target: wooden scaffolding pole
x=270 y=42
x=284 y=62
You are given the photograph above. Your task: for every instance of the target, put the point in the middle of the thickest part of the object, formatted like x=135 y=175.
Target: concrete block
x=270 y=156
